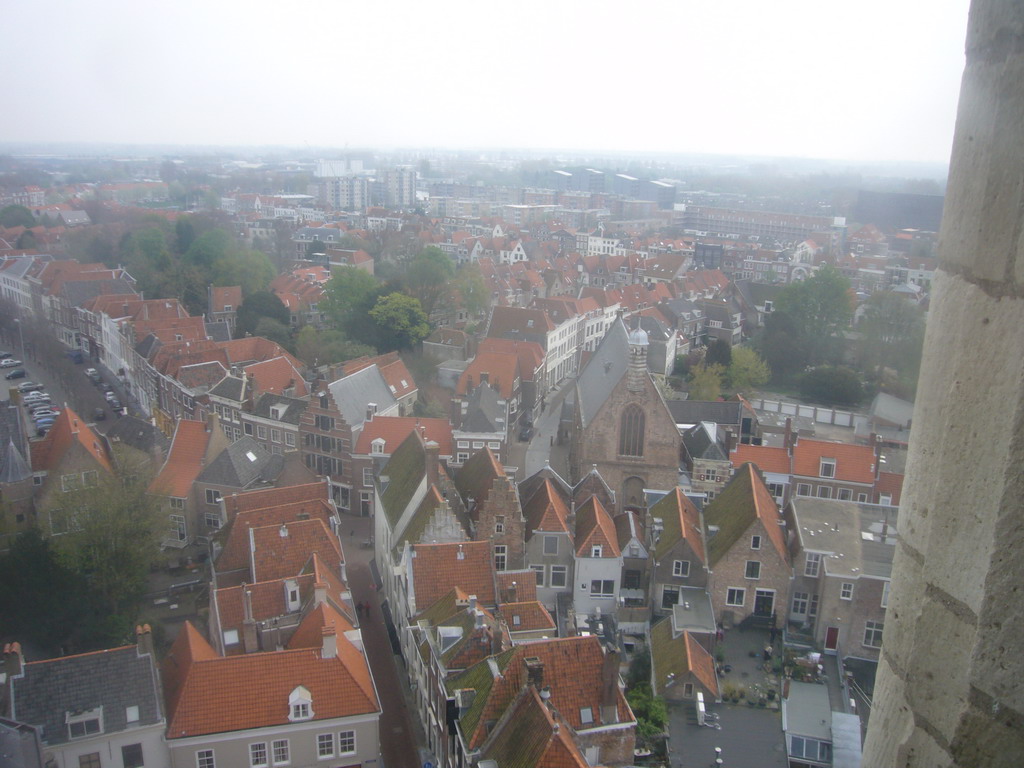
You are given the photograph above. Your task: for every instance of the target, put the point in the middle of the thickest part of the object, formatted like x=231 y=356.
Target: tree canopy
x=428 y=277
x=256 y=307
x=706 y=382
x=820 y=307
x=400 y=320
x=747 y=370
x=892 y=337
x=832 y=386
x=16 y=216
x=349 y=296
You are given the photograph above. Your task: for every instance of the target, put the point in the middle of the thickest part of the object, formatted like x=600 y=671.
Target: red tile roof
x=267 y=599
x=394 y=429
x=526 y=617
x=854 y=463
x=184 y=460
x=272 y=497
x=594 y=527
x=276 y=375
x=68 y=429
x=391 y=367
x=524 y=584
x=212 y=694
x=235 y=555
x=764 y=457
x=436 y=568
x=500 y=369
x=701 y=663
x=546 y=510
x=225 y=296
x=282 y=550
x=891 y=483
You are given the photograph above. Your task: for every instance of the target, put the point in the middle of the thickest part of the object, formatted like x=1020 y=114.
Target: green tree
x=113 y=536
x=316 y=348
x=16 y=216
x=892 y=334
x=276 y=331
x=651 y=714
x=782 y=346
x=26 y=241
x=257 y=306
x=719 y=353
x=706 y=382
x=470 y=290
x=42 y=601
x=349 y=296
x=831 y=386
x=400 y=320
x=428 y=277
x=184 y=233
x=747 y=370
x=207 y=249
x=821 y=307
x=245 y=267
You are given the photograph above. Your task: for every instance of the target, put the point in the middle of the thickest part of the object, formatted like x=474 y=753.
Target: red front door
x=831 y=639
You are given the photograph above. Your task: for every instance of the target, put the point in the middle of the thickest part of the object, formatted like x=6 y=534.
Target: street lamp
x=21 y=337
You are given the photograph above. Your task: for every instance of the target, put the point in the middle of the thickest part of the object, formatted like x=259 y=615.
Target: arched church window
x=631 y=431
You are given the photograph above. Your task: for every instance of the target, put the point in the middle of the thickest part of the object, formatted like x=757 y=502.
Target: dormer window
x=596 y=550
x=377 y=446
x=827 y=468
x=300 y=704
x=82 y=724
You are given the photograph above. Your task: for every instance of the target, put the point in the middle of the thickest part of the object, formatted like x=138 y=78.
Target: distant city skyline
x=861 y=83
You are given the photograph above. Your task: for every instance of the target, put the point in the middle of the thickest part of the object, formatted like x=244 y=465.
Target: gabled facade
x=92 y=709
x=680 y=555
x=747 y=552
x=598 y=561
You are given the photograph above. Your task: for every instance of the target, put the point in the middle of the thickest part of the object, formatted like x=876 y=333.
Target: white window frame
x=500 y=557
x=846 y=590
x=205 y=759
x=812 y=564
x=213 y=496
x=275 y=748
x=731 y=593
x=600 y=588
x=261 y=432
x=367 y=477
x=82 y=718
x=562 y=572
x=871 y=630
x=324 y=740
x=258 y=755
x=827 y=468
x=596 y=550
x=845 y=494
x=343 y=738
x=824 y=492
x=681 y=569
x=803 y=489
x=755 y=541
x=756 y=569
x=885 y=594
x=540 y=571
x=799 y=605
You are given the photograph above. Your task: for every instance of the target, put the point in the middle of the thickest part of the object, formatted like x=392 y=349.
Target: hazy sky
x=847 y=79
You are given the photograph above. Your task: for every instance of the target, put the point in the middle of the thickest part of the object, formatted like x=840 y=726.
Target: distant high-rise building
x=396 y=187
x=346 y=193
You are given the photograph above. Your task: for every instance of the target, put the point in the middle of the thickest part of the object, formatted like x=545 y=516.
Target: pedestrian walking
x=768 y=653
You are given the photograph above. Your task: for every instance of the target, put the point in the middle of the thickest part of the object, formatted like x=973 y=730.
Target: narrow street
x=400 y=736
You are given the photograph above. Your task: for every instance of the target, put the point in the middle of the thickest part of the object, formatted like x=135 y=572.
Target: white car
x=9 y=363
x=110 y=396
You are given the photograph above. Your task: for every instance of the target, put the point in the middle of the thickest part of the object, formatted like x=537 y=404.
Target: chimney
x=512 y=593
x=432 y=460
x=14 y=661
x=610 y=687
x=250 y=638
x=283 y=531
x=330 y=645
x=319 y=593
x=144 y=639
x=534 y=672
x=789 y=436
x=472 y=598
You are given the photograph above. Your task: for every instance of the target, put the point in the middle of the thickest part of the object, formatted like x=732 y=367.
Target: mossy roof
x=480 y=678
x=404 y=470
x=680 y=520
x=745 y=499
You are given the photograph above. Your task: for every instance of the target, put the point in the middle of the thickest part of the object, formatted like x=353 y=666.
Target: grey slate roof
x=217 y=331
x=483 y=411
x=607 y=365
x=148 y=346
x=241 y=464
x=13 y=467
x=701 y=445
x=114 y=679
x=138 y=434
x=696 y=411
x=294 y=407
x=655 y=329
x=353 y=393
x=77 y=292
x=230 y=388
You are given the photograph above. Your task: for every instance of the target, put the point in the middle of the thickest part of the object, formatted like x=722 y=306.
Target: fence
x=816 y=413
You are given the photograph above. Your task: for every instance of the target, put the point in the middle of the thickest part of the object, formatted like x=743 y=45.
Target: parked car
x=115 y=404
x=45 y=423
x=109 y=396
x=42 y=405
x=45 y=414
x=26 y=386
x=99 y=414
x=5 y=355
x=31 y=397
x=106 y=388
x=94 y=375
x=10 y=362
x=41 y=431
x=525 y=433
x=17 y=373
